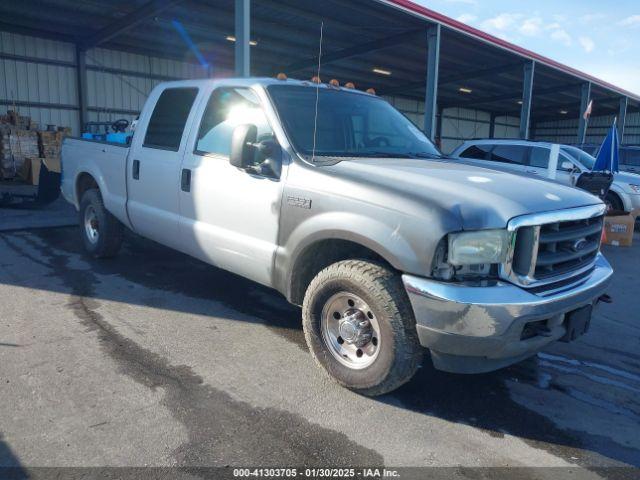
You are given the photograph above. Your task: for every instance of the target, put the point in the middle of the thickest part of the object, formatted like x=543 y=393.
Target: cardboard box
x=34 y=176
x=618 y=228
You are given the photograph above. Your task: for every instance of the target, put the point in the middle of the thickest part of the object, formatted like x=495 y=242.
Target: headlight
x=482 y=246
x=634 y=188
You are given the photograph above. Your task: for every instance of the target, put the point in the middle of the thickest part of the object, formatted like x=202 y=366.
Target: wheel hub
x=355 y=328
x=350 y=330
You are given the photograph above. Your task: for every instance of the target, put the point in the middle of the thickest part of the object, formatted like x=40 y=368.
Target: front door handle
x=136 y=169
x=185 y=180
x=532 y=171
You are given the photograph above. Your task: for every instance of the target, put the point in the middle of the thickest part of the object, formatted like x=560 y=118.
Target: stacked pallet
x=50 y=142
x=23 y=148
x=18 y=143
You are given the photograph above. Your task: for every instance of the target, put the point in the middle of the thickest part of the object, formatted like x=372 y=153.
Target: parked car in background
x=629 y=155
x=531 y=159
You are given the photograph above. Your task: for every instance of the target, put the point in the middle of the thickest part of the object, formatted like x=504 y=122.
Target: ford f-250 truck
x=333 y=198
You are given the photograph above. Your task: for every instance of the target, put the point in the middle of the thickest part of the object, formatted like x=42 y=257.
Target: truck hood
x=480 y=197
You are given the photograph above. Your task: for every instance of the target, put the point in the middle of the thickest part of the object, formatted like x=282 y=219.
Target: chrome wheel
x=350 y=330
x=91 y=226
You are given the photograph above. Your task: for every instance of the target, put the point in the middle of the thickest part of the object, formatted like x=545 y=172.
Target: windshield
x=581 y=157
x=348 y=124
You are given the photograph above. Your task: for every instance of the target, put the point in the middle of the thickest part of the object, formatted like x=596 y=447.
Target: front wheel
x=613 y=202
x=360 y=327
x=101 y=232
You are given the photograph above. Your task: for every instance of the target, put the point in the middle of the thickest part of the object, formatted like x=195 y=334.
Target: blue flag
x=607 y=159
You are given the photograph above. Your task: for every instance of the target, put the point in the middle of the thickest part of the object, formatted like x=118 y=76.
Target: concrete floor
x=157 y=359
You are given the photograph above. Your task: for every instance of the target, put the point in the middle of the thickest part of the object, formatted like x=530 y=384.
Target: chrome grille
x=554 y=246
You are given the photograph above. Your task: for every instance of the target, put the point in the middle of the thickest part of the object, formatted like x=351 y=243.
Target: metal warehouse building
x=66 y=62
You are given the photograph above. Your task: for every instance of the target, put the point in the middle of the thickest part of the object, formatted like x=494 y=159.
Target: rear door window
x=514 y=154
x=477 y=151
x=169 y=118
x=539 y=157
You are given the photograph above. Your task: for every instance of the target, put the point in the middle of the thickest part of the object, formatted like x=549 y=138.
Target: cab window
x=227 y=108
x=169 y=118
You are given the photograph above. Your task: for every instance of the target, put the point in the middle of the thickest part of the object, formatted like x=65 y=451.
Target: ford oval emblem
x=579 y=244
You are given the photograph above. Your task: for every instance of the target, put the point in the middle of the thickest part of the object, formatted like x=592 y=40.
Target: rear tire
x=372 y=359
x=101 y=232
x=613 y=202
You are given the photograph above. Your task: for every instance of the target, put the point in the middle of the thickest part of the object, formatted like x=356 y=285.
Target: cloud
x=466 y=18
x=562 y=36
x=592 y=17
x=531 y=26
x=587 y=44
x=501 y=22
x=631 y=21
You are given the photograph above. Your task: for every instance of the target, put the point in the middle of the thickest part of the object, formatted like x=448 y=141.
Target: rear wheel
x=613 y=202
x=101 y=232
x=360 y=328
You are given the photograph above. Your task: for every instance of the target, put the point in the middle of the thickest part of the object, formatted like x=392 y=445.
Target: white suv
x=532 y=159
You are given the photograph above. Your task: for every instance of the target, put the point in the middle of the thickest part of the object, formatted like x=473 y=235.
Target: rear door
x=153 y=170
x=229 y=216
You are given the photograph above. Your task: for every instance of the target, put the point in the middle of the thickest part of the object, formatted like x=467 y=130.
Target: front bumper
x=473 y=328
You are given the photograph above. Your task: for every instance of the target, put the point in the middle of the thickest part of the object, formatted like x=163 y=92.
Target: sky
x=600 y=38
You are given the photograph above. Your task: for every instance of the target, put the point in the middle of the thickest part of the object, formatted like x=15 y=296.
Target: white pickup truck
x=332 y=197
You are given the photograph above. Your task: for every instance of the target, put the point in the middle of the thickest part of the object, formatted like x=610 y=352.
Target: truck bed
x=105 y=162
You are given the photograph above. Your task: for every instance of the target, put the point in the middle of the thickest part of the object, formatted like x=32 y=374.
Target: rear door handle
x=136 y=169
x=185 y=180
x=532 y=171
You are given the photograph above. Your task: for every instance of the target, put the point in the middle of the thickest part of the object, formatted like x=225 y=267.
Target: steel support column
x=431 y=95
x=243 y=37
x=527 y=94
x=81 y=69
x=584 y=103
x=622 y=118
x=492 y=126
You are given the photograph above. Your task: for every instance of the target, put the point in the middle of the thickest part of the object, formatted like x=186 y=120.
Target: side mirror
x=566 y=165
x=242 y=140
x=262 y=158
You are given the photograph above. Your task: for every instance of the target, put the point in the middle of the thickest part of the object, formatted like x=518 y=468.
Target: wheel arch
x=319 y=254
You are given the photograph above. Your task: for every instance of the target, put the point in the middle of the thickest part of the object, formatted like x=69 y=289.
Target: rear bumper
x=479 y=328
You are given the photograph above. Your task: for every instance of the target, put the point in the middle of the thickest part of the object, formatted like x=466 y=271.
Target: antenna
x=315 y=120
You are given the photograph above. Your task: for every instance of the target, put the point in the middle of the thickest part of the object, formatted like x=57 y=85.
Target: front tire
x=101 y=232
x=360 y=327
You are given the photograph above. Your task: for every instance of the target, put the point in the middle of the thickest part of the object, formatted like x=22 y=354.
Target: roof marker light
x=371 y=91
x=349 y=85
x=281 y=76
x=315 y=79
x=334 y=83
x=231 y=38
x=381 y=71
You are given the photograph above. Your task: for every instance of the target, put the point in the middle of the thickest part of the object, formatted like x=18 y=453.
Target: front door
x=229 y=216
x=153 y=169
